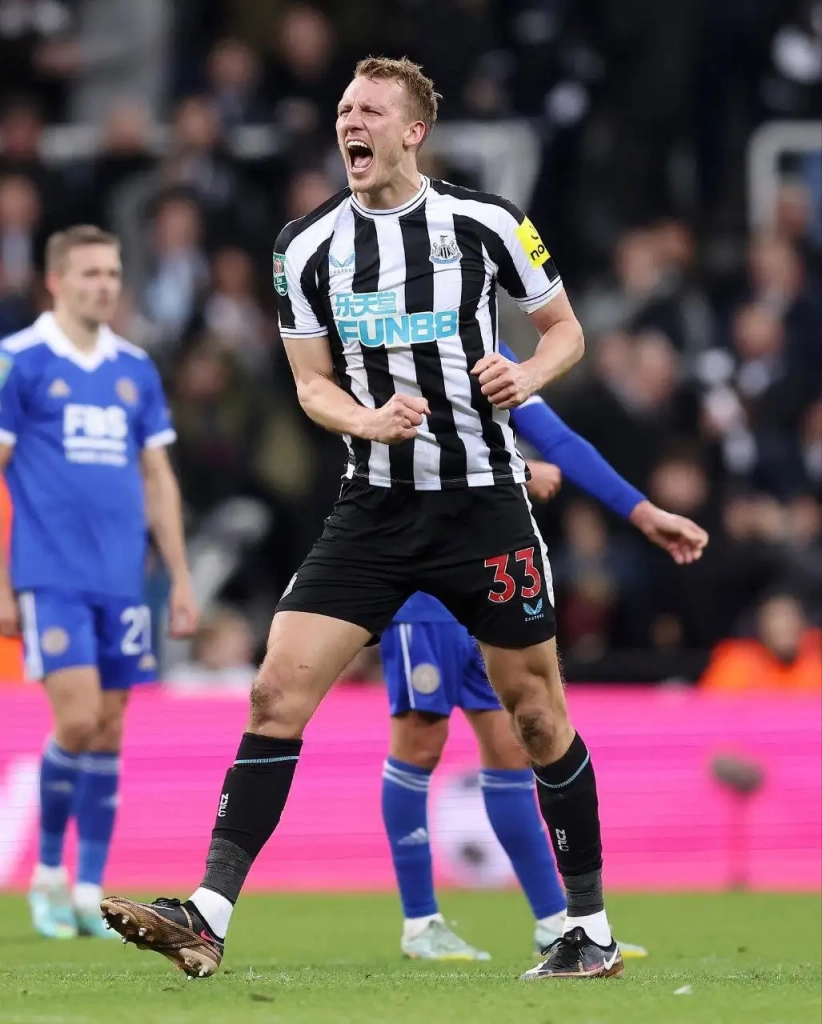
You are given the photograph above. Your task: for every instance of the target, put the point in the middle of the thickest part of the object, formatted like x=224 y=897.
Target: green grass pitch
x=734 y=959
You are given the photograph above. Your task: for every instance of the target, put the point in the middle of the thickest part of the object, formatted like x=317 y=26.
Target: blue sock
x=58 y=781
x=512 y=810
x=405 y=813
x=95 y=808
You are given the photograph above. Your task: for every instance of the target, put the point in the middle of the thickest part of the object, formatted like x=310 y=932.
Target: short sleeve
x=12 y=386
x=154 y=426
x=295 y=286
x=525 y=268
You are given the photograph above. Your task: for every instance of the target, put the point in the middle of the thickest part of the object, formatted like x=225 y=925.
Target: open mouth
x=360 y=155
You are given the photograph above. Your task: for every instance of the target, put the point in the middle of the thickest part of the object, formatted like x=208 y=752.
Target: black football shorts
x=478 y=550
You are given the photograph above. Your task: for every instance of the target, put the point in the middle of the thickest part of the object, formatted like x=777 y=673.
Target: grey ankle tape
x=584 y=894
x=227 y=866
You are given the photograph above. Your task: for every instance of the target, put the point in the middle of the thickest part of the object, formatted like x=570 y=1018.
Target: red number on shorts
x=499 y=563
x=531 y=571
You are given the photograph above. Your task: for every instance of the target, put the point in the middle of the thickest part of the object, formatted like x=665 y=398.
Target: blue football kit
x=78 y=423
x=430 y=661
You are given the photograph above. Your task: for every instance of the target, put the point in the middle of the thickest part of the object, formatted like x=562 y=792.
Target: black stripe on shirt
x=375 y=360
x=470 y=241
x=419 y=298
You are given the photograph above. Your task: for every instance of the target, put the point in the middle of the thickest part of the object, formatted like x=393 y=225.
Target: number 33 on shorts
x=514 y=573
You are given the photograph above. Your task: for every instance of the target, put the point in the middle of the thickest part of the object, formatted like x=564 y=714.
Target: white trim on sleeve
x=6 y=437
x=165 y=437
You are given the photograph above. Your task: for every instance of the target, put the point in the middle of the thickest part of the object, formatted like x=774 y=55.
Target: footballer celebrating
x=387 y=298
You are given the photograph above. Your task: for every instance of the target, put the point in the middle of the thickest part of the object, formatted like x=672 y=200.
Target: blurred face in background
x=679 y=485
x=21 y=131
x=196 y=126
x=654 y=370
x=177 y=227
x=305 y=40
x=781 y=623
x=757 y=332
x=377 y=132
x=307 y=191
x=87 y=286
x=775 y=268
x=232 y=65
x=232 y=273
x=19 y=205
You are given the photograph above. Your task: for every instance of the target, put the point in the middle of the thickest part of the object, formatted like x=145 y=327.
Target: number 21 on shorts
x=505 y=586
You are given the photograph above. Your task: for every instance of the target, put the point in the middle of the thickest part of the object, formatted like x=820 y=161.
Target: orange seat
x=11 y=650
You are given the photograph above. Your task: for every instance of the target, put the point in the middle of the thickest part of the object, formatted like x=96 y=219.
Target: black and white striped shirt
x=407 y=298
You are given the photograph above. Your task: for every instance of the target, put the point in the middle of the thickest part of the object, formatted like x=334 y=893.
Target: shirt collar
x=106 y=347
x=399 y=211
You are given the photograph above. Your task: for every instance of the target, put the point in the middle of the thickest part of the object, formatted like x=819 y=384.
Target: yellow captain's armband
x=532 y=244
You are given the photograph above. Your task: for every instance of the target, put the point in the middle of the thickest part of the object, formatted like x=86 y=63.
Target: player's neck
x=395 y=194
x=83 y=336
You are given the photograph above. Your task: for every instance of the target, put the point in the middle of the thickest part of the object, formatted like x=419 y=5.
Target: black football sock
x=252 y=799
x=567 y=792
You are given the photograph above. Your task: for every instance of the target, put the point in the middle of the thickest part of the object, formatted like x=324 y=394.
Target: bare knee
x=75 y=731
x=530 y=687
x=418 y=739
x=281 y=701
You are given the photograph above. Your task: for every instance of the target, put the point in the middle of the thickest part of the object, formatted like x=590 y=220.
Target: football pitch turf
x=715 y=959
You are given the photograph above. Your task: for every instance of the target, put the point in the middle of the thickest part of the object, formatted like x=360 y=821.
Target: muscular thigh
x=526 y=676
x=491 y=569
x=306 y=653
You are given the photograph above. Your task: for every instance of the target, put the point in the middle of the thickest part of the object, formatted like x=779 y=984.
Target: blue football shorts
x=434 y=667
x=65 y=629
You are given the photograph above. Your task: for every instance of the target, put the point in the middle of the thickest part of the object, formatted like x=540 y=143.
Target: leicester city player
x=83 y=433
x=433 y=665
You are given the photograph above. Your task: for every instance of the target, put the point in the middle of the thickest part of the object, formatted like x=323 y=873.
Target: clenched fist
x=397 y=420
x=504 y=384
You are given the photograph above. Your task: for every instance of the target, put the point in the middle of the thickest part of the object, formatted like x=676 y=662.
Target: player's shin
x=95 y=811
x=59 y=770
x=405 y=815
x=568 y=800
x=253 y=796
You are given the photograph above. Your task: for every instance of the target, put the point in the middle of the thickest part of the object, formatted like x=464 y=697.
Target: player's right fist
x=9 y=613
x=397 y=420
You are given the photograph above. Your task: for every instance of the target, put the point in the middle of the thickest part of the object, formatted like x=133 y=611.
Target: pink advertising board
x=667 y=824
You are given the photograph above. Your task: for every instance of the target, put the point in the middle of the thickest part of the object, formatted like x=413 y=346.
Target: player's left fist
x=183 y=614
x=505 y=384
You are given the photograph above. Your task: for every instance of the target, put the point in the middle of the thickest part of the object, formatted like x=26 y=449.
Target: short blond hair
x=61 y=243
x=419 y=87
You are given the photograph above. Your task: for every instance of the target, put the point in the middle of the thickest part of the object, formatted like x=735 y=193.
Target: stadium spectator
x=179 y=273
x=222 y=659
x=234 y=84
x=785 y=656
x=20 y=245
x=232 y=311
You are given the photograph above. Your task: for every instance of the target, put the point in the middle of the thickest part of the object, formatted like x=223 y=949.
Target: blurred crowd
x=703 y=378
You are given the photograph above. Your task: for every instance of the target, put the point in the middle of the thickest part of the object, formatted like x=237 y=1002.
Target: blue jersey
x=78 y=422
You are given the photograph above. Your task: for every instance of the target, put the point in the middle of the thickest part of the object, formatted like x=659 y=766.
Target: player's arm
x=328 y=405
x=528 y=274
x=305 y=339
x=13 y=387
x=164 y=511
